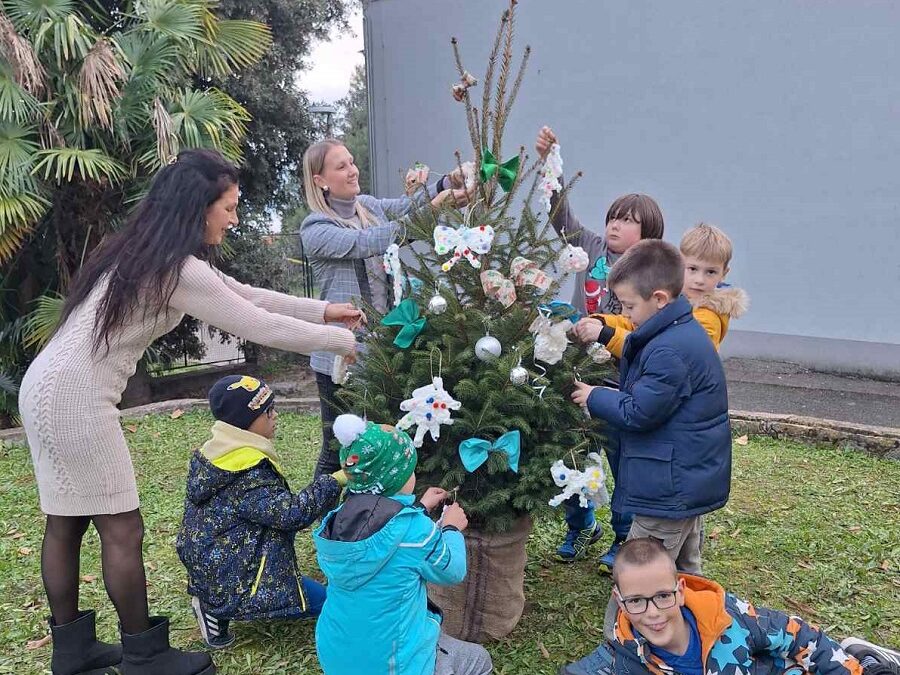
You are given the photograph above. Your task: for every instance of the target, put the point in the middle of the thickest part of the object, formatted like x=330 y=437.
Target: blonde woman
x=344 y=237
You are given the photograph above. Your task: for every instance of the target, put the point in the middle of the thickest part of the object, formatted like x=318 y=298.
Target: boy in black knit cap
x=240 y=517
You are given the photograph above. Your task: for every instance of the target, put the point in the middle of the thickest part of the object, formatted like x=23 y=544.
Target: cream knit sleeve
x=273 y=301
x=203 y=294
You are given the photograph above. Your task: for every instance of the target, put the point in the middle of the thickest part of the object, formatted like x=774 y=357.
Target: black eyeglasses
x=639 y=604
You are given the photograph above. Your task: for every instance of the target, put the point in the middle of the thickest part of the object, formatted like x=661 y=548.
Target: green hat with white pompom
x=377 y=458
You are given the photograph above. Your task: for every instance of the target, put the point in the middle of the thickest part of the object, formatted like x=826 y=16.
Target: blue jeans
x=580 y=518
x=315 y=598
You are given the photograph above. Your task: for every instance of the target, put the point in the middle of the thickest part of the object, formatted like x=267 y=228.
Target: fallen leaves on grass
x=178 y=412
x=37 y=644
x=742 y=440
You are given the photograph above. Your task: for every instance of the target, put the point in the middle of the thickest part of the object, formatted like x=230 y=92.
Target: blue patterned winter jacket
x=737 y=638
x=240 y=518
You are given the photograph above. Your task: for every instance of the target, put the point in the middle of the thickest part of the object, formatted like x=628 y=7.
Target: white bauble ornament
x=518 y=376
x=488 y=348
x=598 y=353
x=437 y=304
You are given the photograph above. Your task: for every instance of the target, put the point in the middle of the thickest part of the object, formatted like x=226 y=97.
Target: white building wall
x=778 y=120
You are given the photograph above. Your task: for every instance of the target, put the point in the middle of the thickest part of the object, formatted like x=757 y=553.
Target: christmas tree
x=479 y=315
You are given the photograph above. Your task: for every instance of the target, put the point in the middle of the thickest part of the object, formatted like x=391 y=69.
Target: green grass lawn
x=815 y=531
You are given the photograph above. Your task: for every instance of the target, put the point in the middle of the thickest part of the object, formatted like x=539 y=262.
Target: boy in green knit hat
x=378 y=551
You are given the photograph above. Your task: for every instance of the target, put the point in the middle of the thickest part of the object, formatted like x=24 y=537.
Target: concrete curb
x=882 y=442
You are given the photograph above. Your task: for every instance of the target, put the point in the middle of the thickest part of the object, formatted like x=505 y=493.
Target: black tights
x=121 y=536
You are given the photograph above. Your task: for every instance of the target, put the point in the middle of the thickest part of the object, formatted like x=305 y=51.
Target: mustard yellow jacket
x=713 y=311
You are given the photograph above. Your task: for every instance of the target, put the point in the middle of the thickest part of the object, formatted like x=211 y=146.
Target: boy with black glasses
x=671 y=623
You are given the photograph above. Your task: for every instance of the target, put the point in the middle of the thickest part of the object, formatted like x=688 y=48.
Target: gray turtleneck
x=376 y=278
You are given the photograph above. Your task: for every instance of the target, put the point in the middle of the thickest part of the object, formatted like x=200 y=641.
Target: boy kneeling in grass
x=679 y=623
x=240 y=518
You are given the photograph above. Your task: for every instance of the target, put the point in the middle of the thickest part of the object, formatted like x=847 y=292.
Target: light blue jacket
x=378 y=553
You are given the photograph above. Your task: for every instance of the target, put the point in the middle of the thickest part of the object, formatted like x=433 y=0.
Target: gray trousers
x=455 y=657
x=683 y=540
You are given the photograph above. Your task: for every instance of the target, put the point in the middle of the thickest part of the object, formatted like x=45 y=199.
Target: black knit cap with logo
x=239 y=399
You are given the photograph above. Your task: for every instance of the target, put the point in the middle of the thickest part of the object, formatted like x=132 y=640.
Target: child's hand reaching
x=432 y=497
x=582 y=393
x=588 y=330
x=545 y=139
x=455 y=516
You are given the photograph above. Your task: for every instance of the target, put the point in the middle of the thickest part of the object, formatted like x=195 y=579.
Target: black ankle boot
x=149 y=653
x=76 y=650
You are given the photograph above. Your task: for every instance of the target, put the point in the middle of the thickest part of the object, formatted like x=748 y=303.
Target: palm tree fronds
x=98 y=83
x=68 y=37
x=28 y=15
x=8 y=385
x=88 y=164
x=28 y=71
x=18 y=213
x=208 y=118
x=17 y=149
x=17 y=104
x=175 y=19
x=231 y=45
x=166 y=140
x=41 y=322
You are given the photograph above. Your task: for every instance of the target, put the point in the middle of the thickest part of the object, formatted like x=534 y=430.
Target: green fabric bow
x=506 y=172
x=405 y=314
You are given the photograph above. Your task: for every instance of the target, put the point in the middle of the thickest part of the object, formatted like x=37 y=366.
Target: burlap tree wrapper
x=489 y=603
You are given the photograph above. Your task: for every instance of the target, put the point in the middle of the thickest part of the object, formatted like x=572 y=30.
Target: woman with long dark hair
x=345 y=237
x=137 y=286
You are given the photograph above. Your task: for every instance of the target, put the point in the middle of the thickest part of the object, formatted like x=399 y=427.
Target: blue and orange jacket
x=737 y=638
x=240 y=517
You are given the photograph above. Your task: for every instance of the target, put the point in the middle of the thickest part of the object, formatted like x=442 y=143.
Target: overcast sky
x=332 y=63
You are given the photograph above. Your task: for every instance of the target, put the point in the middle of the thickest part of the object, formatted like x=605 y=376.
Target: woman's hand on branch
x=346 y=313
x=454 y=197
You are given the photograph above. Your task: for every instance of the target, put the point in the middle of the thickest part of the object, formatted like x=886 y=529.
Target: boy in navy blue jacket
x=670 y=411
x=240 y=518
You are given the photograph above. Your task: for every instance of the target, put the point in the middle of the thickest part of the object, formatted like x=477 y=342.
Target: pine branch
x=505 y=68
x=511 y=195
x=517 y=84
x=489 y=79
x=471 y=118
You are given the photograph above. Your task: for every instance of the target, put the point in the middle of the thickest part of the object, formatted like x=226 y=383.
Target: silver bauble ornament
x=488 y=348
x=437 y=304
x=518 y=376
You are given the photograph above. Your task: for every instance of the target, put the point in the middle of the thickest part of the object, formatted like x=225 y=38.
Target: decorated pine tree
x=477 y=317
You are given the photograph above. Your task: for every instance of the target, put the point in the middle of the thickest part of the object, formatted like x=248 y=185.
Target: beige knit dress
x=69 y=395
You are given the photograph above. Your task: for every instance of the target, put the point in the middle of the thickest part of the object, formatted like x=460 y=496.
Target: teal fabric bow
x=405 y=314
x=474 y=451
x=561 y=309
x=506 y=172
x=601 y=269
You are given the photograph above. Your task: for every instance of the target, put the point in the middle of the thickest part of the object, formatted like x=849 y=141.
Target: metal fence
x=296 y=277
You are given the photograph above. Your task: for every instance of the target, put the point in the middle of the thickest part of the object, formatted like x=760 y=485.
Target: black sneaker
x=873 y=658
x=213 y=630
